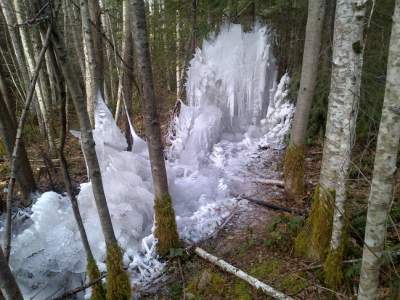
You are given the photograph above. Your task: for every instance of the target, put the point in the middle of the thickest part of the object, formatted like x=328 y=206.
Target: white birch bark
x=381 y=193
x=344 y=98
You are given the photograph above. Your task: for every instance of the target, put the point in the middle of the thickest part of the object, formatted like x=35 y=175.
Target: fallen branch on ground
x=79 y=289
x=273 y=206
x=268 y=290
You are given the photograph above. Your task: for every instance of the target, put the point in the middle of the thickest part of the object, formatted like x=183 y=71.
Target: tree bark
x=294 y=159
x=382 y=187
x=126 y=81
x=8 y=285
x=92 y=83
x=166 y=231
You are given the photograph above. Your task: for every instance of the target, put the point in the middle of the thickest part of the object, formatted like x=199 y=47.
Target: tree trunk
x=8 y=125
x=382 y=187
x=93 y=272
x=329 y=197
x=118 y=284
x=91 y=80
x=8 y=285
x=166 y=231
x=127 y=77
x=345 y=92
x=294 y=158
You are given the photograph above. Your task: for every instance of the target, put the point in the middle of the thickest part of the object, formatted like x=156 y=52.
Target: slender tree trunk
x=96 y=20
x=8 y=285
x=127 y=78
x=294 y=158
x=93 y=272
x=382 y=187
x=166 y=231
x=76 y=33
x=118 y=284
x=327 y=211
x=345 y=87
x=92 y=83
x=178 y=56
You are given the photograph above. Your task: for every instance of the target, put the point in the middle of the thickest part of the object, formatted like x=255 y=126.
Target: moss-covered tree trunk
x=329 y=199
x=165 y=231
x=294 y=157
x=381 y=193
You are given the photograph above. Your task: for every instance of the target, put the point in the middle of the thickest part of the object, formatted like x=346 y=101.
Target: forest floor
x=257 y=240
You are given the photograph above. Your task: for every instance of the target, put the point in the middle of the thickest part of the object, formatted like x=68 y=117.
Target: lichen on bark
x=293 y=171
x=165 y=231
x=313 y=239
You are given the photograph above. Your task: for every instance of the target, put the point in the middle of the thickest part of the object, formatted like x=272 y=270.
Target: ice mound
x=234 y=106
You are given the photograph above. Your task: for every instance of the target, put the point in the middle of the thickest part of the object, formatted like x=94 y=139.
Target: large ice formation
x=234 y=106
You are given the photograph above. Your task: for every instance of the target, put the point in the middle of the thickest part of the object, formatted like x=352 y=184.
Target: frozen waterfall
x=234 y=106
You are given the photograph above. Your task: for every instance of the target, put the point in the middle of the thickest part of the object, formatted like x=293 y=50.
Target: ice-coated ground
x=234 y=107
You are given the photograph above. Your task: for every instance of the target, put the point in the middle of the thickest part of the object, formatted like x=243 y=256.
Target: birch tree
x=294 y=158
x=382 y=187
x=165 y=231
x=322 y=236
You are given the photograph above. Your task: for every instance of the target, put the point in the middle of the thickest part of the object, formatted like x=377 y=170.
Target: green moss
x=293 y=284
x=313 y=240
x=333 y=268
x=166 y=231
x=98 y=292
x=267 y=270
x=3 y=151
x=293 y=171
x=118 y=283
x=207 y=284
x=242 y=290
